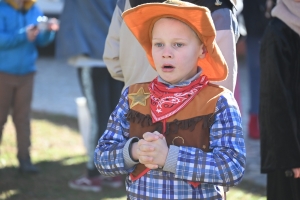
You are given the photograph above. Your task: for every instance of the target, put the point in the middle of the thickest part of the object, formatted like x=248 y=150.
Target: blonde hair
x=200 y=42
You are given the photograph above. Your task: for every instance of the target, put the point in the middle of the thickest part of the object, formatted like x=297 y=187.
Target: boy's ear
x=203 y=51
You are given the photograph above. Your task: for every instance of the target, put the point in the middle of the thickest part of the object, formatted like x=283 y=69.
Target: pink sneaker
x=114 y=182
x=86 y=184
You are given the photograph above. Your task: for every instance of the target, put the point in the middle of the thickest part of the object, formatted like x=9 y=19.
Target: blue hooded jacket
x=17 y=53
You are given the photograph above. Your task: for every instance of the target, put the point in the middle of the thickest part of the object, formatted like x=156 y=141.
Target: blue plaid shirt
x=224 y=165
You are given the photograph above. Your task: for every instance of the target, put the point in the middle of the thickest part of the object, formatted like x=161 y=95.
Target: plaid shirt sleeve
x=108 y=155
x=225 y=163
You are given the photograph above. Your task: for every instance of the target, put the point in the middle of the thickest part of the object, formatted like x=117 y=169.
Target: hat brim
x=141 y=19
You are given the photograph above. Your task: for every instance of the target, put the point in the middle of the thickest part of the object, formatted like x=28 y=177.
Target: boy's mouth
x=168 y=67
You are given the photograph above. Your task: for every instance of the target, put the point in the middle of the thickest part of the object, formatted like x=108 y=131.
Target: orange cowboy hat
x=141 y=19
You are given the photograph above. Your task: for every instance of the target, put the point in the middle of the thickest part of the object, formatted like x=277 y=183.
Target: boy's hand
x=150 y=137
x=31 y=32
x=153 y=150
x=53 y=24
x=134 y=151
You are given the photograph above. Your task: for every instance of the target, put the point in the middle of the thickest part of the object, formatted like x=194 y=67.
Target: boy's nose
x=167 y=52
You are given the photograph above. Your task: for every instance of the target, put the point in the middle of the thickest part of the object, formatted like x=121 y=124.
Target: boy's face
x=175 y=50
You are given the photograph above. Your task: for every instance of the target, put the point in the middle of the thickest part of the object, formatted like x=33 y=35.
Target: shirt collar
x=182 y=83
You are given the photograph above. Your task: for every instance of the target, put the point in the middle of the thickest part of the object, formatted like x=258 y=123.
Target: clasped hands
x=151 y=151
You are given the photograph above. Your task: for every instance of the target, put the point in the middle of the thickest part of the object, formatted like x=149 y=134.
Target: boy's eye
x=158 y=44
x=178 y=44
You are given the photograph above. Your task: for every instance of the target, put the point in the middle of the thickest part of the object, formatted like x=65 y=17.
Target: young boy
x=179 y=136
x=133 y=67
x=20 y=34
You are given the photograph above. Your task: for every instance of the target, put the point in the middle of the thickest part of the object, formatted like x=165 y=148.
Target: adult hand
x=269 y=6
x=296 y=172
x=31 y=32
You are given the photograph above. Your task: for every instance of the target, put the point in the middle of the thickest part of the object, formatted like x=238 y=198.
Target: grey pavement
x=57 y=87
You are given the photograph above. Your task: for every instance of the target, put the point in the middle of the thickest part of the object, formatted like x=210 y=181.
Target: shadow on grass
x=50 y=183
x=251 y=187
x=57 y=119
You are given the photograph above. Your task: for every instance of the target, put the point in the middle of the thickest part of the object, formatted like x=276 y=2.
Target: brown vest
x=188 y=127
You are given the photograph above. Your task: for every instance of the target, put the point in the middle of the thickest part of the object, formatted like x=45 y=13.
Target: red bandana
x=165 y=101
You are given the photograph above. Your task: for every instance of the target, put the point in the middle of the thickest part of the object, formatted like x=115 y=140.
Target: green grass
x=57 y=149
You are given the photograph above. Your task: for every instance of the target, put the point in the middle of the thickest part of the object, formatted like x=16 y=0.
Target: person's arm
x=113 y=145
x=46 y=36
x=11 y=39
x=112 y=45
x=225 y=163
x=227 y=34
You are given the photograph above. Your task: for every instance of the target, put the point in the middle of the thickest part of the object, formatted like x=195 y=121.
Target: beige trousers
x=15 y=99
